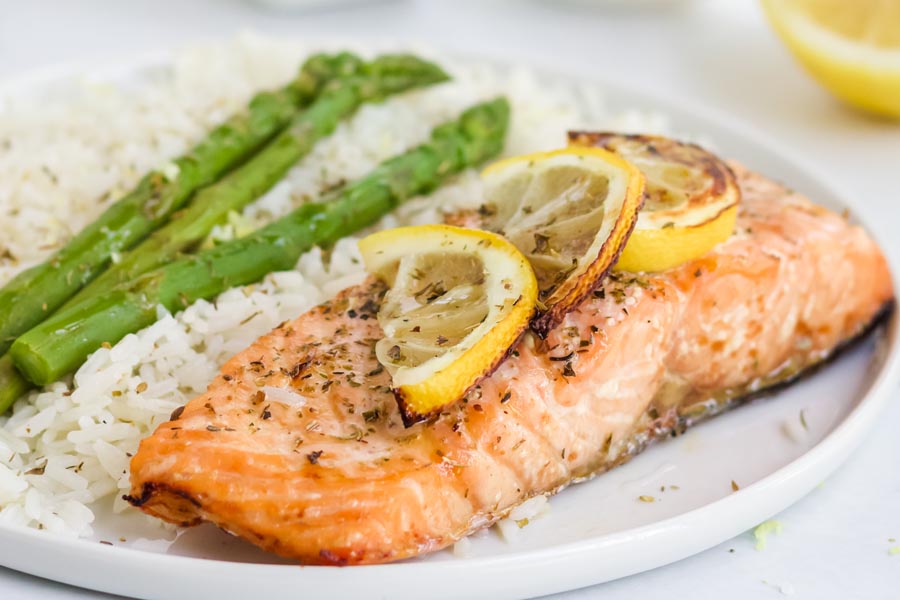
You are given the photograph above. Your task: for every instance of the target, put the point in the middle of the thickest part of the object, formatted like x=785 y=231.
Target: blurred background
x=724 y=57
x=721 y=55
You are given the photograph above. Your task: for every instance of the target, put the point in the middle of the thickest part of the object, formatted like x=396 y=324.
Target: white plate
x=596 y=531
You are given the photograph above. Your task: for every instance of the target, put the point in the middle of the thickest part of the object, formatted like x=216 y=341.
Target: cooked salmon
x=298 y=446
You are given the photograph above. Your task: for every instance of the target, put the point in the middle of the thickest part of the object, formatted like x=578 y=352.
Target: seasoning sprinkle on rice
x=67 y=446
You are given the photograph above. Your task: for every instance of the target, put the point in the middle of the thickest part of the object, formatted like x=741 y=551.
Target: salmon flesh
x=298 y=445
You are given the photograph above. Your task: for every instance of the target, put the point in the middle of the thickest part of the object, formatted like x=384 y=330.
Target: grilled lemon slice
x=570 y=212
x=691 y=199
x=459 y=299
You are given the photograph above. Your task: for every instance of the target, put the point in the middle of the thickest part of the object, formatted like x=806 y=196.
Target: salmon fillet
x=298 y=446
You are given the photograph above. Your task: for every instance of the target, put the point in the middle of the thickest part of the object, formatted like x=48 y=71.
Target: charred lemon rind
x=545 y=322
x=721 y=193
x=570 y=211
x=691 y=199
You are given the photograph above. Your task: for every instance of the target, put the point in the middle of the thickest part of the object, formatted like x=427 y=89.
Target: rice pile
x=67 y=447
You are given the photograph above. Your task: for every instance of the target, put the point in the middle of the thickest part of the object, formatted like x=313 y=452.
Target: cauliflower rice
x=64 y=450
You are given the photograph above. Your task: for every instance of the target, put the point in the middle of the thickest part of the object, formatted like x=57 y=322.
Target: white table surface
x=721 y=54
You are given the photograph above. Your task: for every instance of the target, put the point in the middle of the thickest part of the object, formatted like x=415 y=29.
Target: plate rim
x=556 y=563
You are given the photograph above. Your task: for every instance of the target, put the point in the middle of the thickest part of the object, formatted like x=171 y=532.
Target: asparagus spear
x=61 y=343
x=384 y=76
x=36 y=293
x=12 y=384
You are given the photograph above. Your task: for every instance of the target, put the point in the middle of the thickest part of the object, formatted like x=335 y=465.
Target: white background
x=716 y=53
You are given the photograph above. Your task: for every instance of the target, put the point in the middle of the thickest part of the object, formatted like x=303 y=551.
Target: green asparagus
x=384 y=76
x=61 y=344
x=12 y=384
x=36 y=293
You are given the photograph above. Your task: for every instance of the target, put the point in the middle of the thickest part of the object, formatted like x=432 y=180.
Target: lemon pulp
x=459 y=299
x=570 y=212
x=691 y=199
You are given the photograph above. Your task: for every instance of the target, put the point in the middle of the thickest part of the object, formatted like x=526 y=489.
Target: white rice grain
x=65 y=158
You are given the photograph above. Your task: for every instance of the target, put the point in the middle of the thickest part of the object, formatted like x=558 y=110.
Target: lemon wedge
x=850 y=47
x=691 y=199
x=570 y=212
x=458 y=300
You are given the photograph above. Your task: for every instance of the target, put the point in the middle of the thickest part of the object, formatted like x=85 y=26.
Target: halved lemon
x=570 y=212
x=459 y=299
x=852 y=47
x=691 y=199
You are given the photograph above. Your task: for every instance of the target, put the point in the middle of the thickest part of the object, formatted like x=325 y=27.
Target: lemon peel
x=459 y=299
x=851 y=48
x=691 y=201
x=570 y=211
